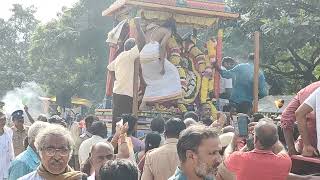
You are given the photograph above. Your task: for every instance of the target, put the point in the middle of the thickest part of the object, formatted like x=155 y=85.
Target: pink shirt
x=259 y=164
x=288 y=116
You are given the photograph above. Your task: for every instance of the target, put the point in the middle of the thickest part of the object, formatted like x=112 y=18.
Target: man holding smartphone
x=268 y=160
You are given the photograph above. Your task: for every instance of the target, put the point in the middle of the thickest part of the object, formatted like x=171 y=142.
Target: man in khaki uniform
x=20 y=132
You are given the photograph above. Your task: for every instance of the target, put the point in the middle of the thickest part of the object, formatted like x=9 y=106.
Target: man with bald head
x=268 y=160
x=99 y=154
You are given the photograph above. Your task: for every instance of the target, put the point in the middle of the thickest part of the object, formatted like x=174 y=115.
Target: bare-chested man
x=165 y=85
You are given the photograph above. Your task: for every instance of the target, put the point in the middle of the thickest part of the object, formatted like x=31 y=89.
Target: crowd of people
x=174 y=149
x=194 y=146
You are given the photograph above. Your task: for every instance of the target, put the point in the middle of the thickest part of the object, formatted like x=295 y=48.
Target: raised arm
x=303 y=110
x=287 y=123
x=123 y=149
x=228 y=74
x=26 y=109
x=141 y=39
x=231 y=147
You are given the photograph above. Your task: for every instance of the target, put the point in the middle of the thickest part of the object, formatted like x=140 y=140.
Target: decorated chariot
x=199 y=44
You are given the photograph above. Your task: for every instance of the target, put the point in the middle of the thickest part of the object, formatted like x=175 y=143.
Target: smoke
x=28 y=95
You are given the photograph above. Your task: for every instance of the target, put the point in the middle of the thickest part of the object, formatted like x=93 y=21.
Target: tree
x=69 y=54
x=290 y=39
x=15 y=35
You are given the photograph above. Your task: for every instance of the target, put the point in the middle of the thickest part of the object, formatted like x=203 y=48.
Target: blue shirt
x=242 y=77
x=178 y=175
x=23 y=164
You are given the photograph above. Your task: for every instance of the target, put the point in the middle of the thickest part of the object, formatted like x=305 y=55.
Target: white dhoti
x=160 y=88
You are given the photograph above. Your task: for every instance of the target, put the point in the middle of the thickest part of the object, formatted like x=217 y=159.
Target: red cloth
x=288 y=116
x=259 y=164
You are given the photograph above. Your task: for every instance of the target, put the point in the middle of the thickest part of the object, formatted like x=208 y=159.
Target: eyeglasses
x=52 y=151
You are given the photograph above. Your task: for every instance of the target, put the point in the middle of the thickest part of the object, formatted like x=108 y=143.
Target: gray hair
x=266 y=133
x=55 y=130
x=35 y=128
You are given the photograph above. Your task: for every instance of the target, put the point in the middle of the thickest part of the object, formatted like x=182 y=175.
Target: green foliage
x=290 y=39
x=69 y=54
x=15 y=35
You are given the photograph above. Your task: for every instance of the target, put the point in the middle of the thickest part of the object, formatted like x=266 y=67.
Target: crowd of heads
x=201 y=143
x=200 y=146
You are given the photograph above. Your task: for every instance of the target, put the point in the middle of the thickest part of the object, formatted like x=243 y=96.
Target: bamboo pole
x=256 y=71
x=219 y=61
x=135 y=106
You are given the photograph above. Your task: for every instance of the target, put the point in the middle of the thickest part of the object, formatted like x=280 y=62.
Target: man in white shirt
x=225 y=84
x=309 y=105
x=122 y=69
x=99 y=133
x=6 y=147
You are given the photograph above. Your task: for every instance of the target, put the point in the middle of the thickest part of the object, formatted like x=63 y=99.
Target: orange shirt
x=259 y=164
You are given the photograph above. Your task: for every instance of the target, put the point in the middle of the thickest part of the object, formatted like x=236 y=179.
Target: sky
x=46 y=9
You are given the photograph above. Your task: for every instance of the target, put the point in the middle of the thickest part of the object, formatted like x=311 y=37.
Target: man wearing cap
x=20 y=132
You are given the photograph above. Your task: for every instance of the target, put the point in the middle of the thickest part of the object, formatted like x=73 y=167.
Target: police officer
x=20 y=131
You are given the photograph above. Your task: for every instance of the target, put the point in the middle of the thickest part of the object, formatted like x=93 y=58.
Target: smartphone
x=250 y=142
x=234 y=124
x=243 y=121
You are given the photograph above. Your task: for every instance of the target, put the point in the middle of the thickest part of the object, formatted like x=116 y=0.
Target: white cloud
x=46 y=9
